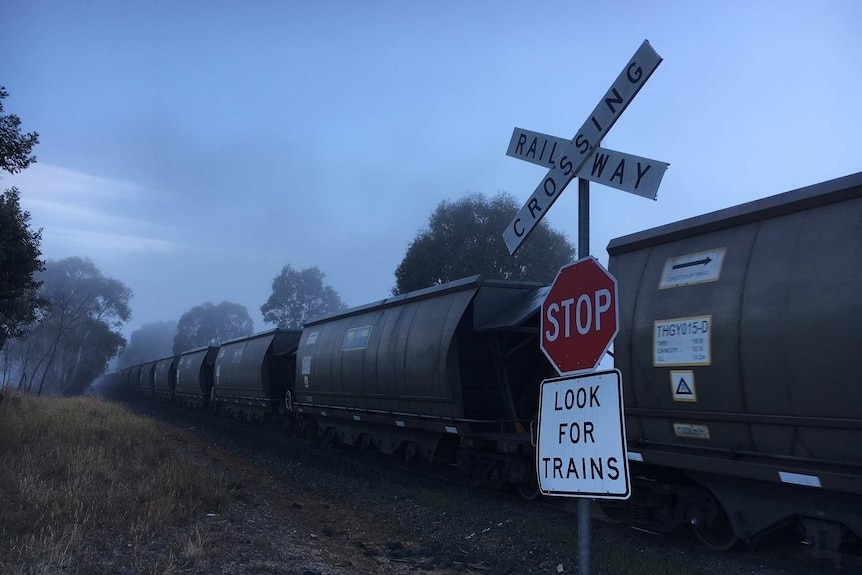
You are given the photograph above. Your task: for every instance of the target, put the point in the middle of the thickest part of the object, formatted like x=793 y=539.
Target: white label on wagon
x=697 y=268
x=682 y=341
x=691 y=431
x=799 y=479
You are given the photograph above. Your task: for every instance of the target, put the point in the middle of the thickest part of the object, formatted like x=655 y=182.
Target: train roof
x=270 y=332
x=498 y=303
x=198 y=350
x=283 y=340
x=829 y=192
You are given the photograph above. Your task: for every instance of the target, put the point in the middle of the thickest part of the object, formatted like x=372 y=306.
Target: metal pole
x=584 y=528
x=584 y=512
x=583 y=218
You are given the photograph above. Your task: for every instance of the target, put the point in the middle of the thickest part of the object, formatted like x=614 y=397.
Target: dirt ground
x=271 y=526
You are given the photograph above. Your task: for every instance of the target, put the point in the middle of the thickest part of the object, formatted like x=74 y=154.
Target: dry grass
x=89 y=487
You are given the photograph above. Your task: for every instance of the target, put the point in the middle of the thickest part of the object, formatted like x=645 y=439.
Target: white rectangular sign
x=626 y=172
x=691 y=431
x=697 y=268
x=682 y=341
x=581 y=445
x=572 y=158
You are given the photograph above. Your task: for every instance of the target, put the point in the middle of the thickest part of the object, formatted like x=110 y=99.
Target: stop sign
x=580 y=316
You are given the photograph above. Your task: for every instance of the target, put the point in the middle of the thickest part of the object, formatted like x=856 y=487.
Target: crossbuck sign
x=626 y=172
x=571 y=161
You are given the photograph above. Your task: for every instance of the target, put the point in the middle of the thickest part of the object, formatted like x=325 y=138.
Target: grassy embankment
x=86 y=485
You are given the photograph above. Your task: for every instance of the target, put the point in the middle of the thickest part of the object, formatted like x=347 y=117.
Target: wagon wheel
x=409 y=451
x=614 y=511
x=495 y=481
x=529 y=489
x=330 y=437
x=497 y=477
x=326 y=437
x=717 y=532
x=213 y=404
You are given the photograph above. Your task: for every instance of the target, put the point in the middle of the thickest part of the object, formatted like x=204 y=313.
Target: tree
x=298 y=296
x=78 y=334
x=20 y=302
x=15 y=147
x=19 y=246
x=210 y=324
x=150 y=341
x=464 y=238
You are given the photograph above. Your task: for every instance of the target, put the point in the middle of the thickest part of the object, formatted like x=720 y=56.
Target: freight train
x=749 y=424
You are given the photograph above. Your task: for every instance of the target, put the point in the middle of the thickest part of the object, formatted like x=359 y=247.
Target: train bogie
x=445 y=372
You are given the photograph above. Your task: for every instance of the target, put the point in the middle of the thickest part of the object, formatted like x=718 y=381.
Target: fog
x=193 y=149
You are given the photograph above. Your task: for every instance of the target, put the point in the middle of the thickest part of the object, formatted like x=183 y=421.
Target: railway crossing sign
x=585 y=143
x=580 y=317
x=626 y=172
x=581 y=446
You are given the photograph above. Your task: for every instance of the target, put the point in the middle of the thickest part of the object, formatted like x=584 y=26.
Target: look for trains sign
x=581 y=447
x=579 y=317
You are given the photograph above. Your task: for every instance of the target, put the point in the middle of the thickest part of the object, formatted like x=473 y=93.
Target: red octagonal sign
x=580 y=316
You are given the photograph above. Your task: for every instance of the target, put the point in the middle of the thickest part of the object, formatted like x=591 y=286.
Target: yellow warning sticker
x=682 y=385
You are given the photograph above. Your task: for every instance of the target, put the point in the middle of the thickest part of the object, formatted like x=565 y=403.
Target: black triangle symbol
x=683 y=388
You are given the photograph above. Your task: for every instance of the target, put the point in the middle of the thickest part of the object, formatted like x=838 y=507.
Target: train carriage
x=737 y=346
x=135 y=381
x=254 y=374
x=446 y=372
x=126 y=380
x=194 y=377
x=146 y=380
x=164 y=376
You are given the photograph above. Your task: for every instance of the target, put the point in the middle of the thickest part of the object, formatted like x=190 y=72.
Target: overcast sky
x=191 y=149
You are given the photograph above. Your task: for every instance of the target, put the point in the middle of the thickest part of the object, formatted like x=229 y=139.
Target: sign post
x=579 y=321
x=585 y=513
